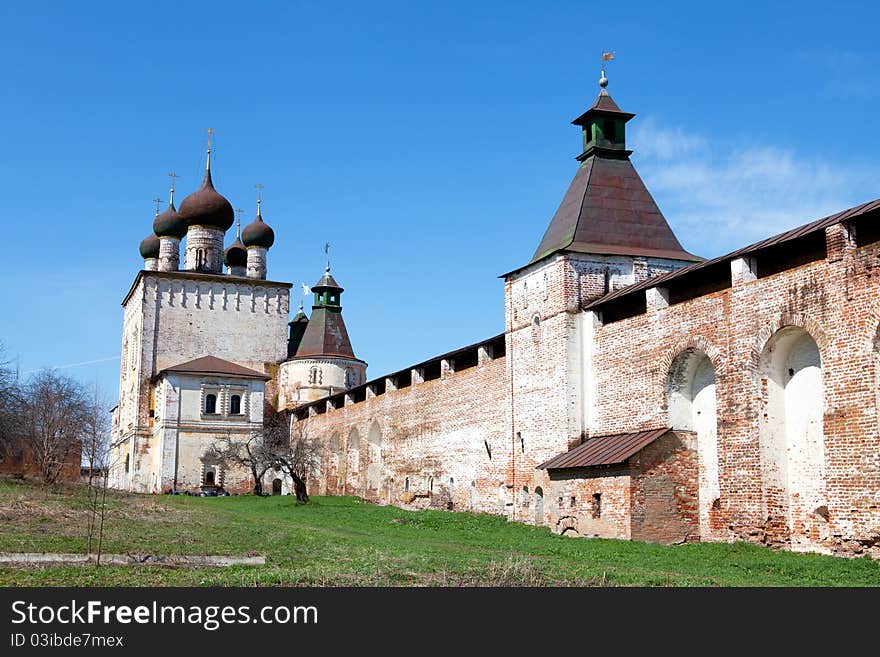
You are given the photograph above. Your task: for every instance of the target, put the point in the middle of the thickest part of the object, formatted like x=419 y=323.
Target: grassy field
x=344 y=541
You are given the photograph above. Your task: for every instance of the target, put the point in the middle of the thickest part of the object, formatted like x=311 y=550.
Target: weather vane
x=606 y=57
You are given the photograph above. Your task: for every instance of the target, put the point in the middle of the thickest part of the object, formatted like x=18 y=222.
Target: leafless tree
x=295 y=452
x=51 y=422
x=10 y=400
x=95 y=454
x=248 y=452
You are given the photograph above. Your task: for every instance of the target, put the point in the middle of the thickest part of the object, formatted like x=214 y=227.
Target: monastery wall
x=793 y=349
x=438 y=443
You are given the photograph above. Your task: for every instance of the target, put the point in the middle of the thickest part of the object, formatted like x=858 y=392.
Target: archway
x=539 y=506
x=276 y=486
x=792 y=439
x=374 y=468
x=692 y=406
x=353 y=463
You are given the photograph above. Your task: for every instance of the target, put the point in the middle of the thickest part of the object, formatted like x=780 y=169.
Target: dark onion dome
x=235 y=254
x=170 y=223
x=207 y=207
x=150 y=246
x=258 y=233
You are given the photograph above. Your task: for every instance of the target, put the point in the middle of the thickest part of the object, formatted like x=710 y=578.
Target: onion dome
x=206 y=206
x=150 y=246
x=235 y=254
x=258 y=232
x=170 y=223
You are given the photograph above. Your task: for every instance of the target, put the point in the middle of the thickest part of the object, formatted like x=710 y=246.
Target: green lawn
x=344 y=541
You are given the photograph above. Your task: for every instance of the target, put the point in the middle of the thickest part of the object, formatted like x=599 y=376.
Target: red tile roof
x=604 y=450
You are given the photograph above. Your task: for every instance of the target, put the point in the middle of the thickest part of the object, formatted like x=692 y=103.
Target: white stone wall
x=206 y=243
x=170 y=319
x=306 y=379
x=183 y=433
x=169 y=254
x=256 y=262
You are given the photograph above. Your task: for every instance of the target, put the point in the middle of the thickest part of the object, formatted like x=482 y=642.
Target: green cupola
x=604 y=127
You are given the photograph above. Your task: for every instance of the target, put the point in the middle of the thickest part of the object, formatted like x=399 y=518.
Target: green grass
x=345 y=541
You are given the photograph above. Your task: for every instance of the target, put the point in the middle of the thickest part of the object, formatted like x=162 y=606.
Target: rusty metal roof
x=325 y=335
x=607 y=210
x=211 y=365
x=781 y=238
x=604 y=450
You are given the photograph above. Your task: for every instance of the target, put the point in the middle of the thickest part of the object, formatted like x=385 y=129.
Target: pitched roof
x=214 y=366
x=781 y=238
x=604 y=450
x=325 y=335
x=608 y=210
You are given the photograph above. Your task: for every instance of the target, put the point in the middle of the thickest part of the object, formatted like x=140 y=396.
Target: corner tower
x=324 y=362
x=606 y=234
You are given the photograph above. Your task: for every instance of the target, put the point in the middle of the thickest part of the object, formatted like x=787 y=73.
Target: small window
x=525 y=497
x=597 y=505
x=431 y=485
x=406 y=485
x=210 y=404
x=315 y=376
x=350 y=378
x=536 y=328
x=573 y=501
x=235 y=404
x=609 y=130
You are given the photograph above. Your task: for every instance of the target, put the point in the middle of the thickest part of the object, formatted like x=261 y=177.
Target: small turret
x=170 y=227
x=235 y=256
x=257 y=237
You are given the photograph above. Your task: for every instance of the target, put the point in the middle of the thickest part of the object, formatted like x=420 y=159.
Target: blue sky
x=429 y=143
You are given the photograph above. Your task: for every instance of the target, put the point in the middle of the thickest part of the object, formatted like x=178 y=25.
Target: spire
x=327 y=253
x=259 y=188
x=607 y=209
x=238 y=224
x=172 y=175
x=208 y=164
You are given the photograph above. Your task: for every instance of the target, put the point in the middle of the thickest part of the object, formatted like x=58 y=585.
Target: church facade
x=637 y=391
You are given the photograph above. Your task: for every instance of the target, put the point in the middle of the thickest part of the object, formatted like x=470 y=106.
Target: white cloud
x=719 y=199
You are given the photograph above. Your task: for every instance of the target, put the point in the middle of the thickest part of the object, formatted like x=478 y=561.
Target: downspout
x=177 y=439
x=509 y=356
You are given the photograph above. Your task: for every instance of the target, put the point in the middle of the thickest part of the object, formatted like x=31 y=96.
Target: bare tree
x=294 y=452
x=51 y=422
x=95 y=454
x=10 y=400
x=248 y=452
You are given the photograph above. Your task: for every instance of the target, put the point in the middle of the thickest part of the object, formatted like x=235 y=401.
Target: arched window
x=431 y=484
x=792 y=441
x=210 y=403
x=691 y=403
x=315 y=376
x=350 y=378
x=525 y=497
x=235 y=404
x=539 y=506
x=536 y=327
x=406 y=485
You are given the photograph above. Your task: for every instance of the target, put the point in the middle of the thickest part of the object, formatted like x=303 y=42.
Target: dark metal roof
x=325 y=335
x=781 y=238
x=215 y=366
x=604 y=450
x=608 y=210
x=604 y=105
x=435 y=359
